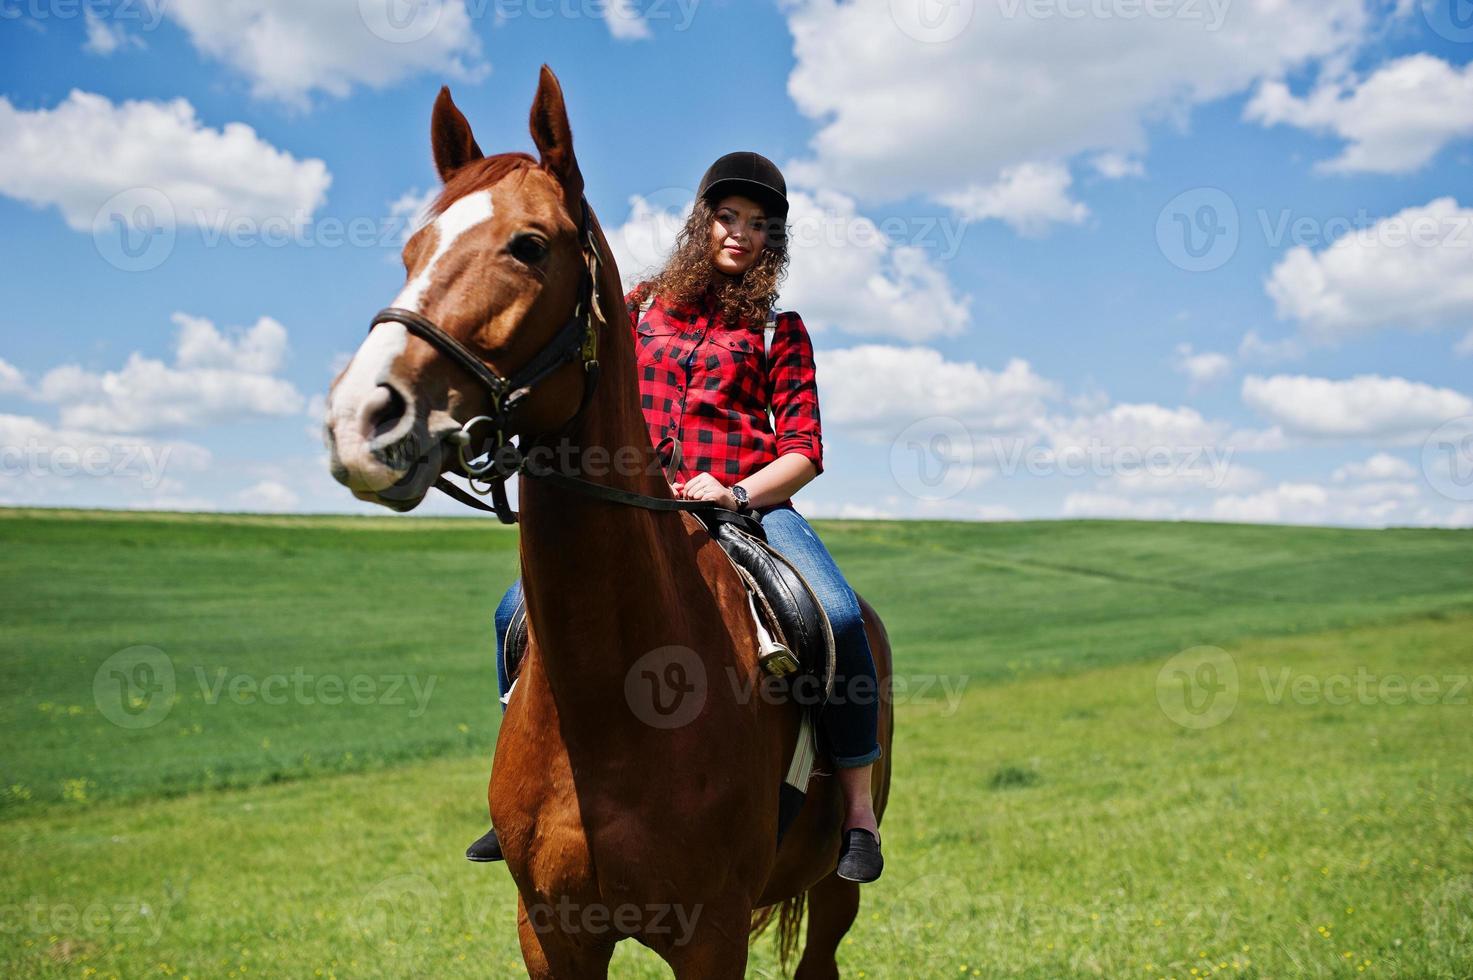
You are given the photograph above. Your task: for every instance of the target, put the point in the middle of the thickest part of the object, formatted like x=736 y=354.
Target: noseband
x=578 y=336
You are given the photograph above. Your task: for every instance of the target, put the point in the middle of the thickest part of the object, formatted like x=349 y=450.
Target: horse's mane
x=479 y=175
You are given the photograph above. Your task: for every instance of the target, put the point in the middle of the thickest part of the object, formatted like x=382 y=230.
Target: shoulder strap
x=768 y=330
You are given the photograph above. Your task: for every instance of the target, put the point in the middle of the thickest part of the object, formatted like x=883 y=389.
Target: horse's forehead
x=444 y=231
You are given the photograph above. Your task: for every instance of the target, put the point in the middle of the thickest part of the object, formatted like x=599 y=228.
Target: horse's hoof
x=488 y=848
x=860 y=859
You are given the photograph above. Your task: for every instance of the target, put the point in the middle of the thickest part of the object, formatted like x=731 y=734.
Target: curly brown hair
x=688 y=275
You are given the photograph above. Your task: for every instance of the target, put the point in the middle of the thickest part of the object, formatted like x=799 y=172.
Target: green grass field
x=295 y=801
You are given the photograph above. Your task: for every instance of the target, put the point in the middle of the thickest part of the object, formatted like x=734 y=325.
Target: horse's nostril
x=389 y=414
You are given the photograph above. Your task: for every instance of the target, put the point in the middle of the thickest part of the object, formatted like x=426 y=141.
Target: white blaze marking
x=369 y=368
x=375 y=358
x=456 y=220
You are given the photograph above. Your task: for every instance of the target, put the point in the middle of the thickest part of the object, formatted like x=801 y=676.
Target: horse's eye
x=529 y=249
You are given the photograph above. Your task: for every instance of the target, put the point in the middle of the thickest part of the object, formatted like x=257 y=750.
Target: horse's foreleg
x=552 y=954
x=713 y=945
x=832 y=905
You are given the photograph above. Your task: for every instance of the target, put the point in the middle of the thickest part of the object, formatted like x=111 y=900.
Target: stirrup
x=774 y=657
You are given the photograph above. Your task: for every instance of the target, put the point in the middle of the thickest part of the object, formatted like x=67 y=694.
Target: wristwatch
x=744 y=503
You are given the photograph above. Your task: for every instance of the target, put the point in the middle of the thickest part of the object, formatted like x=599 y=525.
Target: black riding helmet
x=750 y=175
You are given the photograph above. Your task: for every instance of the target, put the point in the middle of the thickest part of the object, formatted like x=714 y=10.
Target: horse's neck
x=596 y=572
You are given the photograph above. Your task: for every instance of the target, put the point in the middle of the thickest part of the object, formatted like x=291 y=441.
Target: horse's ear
x=450 y=136
x=553 y=135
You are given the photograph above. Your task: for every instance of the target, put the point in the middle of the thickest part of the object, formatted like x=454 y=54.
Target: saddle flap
x=800 y=615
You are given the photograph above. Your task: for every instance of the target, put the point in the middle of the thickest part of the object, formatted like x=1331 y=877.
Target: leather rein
x=577 y=337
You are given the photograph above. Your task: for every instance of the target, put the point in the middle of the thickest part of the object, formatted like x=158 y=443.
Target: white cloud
x=1413 y=269
x=1366 y=406
x=1287 y=503
x=876 y=390
x=259 y=350
x=214 y=379
x=1093 y=504
x=1028 y=197
x=1255 y=348
x=1394 y=121
x=87 y=150
x=12 y=381
x=1212 y=471
x=624 y=21
x=900 y=115
x=105 y=37
x=1115 y=166
x=1313 y=503
x=1381 y=466
x=1204 y=367
x=1144 y=448
x=851 y=511
x=38 y=461
x=1146 y=426
x=268 y=495
x=411 y=209
x=289 y=49
x=845 y=273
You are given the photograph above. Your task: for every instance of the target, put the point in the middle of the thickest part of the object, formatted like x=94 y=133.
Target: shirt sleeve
x=792 y=390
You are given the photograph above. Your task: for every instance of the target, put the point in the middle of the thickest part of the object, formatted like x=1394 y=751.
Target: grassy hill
x=1059 y=816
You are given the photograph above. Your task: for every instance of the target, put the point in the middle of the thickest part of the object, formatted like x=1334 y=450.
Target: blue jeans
x=851 y=718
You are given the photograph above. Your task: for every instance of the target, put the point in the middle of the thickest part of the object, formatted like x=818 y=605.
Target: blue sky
x=990 y=199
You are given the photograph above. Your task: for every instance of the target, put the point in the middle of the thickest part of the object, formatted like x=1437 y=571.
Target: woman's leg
x=488 y=847
x=851 y=718
x=504 y=612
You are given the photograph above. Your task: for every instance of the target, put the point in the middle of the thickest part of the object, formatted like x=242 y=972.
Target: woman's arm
x=779 y=479
x=774 y=483
x=792 y=393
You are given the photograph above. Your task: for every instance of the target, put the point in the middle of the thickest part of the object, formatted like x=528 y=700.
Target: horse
x=635 y=785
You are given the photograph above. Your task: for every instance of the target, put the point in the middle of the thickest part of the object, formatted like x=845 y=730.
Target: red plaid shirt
x=706 y=389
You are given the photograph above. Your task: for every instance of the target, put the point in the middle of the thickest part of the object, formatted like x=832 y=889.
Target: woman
x=706 y=386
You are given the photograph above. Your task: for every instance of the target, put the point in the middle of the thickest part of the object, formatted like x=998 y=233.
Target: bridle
x=577 y=337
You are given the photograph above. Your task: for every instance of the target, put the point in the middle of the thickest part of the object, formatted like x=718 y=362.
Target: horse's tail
x=789 y=915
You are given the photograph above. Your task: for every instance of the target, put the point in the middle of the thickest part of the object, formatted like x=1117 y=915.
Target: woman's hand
x=704 y=486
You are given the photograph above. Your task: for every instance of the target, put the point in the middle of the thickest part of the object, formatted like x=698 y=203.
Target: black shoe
x=488 y=848
x=860 y=859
